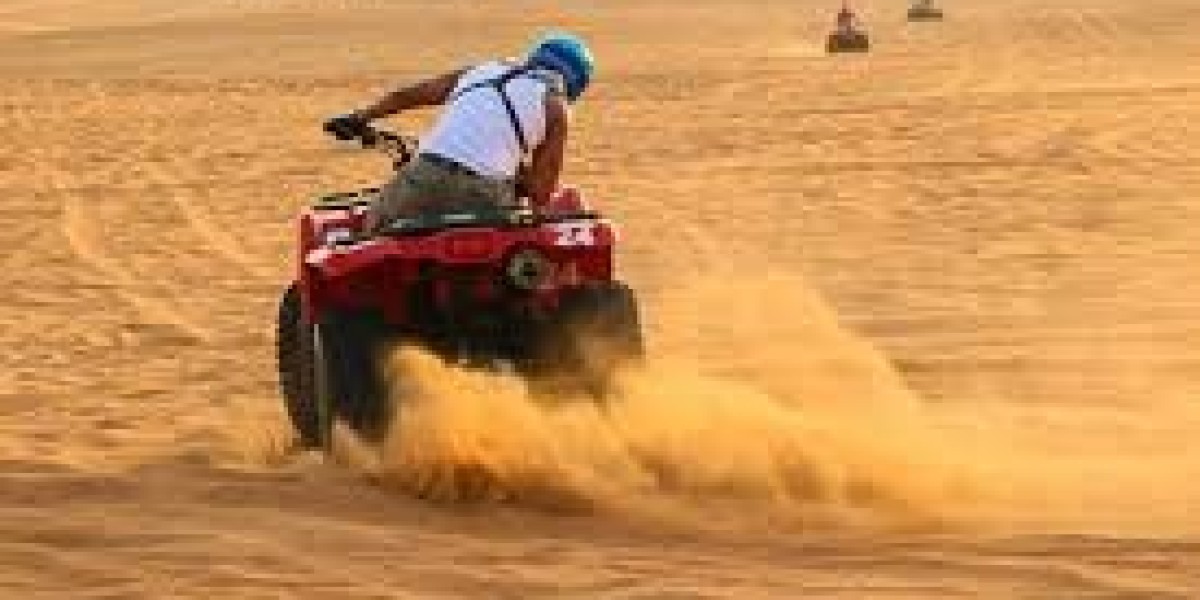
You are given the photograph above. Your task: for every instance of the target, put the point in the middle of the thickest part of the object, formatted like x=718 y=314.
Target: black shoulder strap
x=498 y=84
x=512 y=111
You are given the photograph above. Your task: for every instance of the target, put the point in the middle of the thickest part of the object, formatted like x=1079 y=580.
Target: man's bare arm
x=547 y=162
x=430 y=92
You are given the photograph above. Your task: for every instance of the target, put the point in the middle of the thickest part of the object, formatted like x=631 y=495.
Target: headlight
x=529 y=269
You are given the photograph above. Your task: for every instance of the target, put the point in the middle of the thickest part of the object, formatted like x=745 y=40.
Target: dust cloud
x=759 y=407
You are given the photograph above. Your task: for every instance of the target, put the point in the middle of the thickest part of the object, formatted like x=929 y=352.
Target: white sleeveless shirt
x=475 y=129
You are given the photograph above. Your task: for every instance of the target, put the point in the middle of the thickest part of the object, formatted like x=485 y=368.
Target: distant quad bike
x=529 y=290
x=848 y=35
x=924 y=10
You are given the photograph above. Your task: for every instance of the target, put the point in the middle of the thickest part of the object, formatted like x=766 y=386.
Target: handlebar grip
x=347 y=127
x=369 y=137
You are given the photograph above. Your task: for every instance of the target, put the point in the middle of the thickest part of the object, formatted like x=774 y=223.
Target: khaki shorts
x=431 y=186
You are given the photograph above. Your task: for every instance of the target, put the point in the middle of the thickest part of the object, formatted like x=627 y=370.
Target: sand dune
x=924 y=321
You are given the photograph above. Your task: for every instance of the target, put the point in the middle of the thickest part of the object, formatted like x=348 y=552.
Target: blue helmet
x=570 y=57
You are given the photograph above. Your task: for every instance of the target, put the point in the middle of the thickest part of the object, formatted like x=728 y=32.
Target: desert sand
x=923 y=322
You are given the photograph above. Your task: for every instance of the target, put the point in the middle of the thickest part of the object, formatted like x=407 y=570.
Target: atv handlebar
x=397 y=146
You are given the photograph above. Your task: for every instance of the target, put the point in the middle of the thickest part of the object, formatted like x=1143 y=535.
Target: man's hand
x=347 y=127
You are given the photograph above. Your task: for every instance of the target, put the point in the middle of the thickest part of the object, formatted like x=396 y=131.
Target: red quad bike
x=530 y=290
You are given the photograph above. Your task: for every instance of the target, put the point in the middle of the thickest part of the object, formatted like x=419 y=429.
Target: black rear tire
x=294 y=361
x=329 y=372
x=596 y=333
x=352 y=386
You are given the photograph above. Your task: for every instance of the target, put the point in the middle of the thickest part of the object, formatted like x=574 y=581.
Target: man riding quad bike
x=471 y=251
x=924 y=10
x=504 y=127
x=848 y=35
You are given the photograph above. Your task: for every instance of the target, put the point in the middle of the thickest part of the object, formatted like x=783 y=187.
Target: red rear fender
x=376 y=272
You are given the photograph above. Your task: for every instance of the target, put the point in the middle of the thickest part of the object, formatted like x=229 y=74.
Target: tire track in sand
x=225 y=246
x=76 y=229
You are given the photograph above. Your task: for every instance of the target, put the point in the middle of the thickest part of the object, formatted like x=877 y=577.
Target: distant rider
x=846 y=20
x=504 y=126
